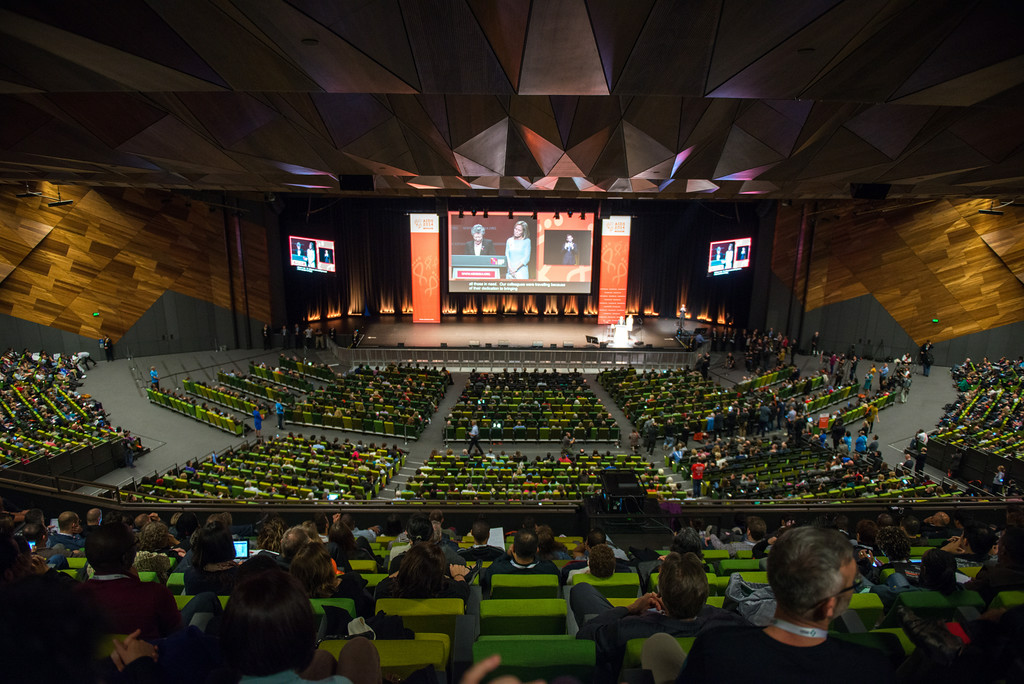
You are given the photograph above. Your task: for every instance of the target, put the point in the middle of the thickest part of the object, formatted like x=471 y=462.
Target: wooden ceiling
x=596 y=98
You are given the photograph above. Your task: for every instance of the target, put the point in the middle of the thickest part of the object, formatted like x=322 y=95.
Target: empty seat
x=524 y=586
x=619 y=585
x=533 y=657
x=402 y=657
x=518 y=616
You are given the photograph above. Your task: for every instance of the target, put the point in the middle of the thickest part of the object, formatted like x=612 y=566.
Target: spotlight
x=59 y=202
x=534 y=216
x=461 y=214
x=28 y=193
x=583 y=215
x=485 y=213
x=474 y=212
x=510 y=216
x=570 y=214
x=557 y=216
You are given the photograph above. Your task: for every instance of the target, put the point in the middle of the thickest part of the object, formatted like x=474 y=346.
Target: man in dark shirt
x=69 y=532
x=812 y=573
x=522 y=560
x=678 y=609
x=480 y=551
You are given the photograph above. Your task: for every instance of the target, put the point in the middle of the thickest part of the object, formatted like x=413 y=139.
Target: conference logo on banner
x=611 y=303
x=424 y=236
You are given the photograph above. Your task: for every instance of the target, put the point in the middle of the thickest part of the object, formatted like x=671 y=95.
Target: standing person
x=154 y=378
x=853 y=369
x=257 y=422
x=814 y=342
x=284 y=337
x=479 y=245
x=867 y=379
x=925 y=358
x=266 y=336
x=634 y=441
x=697 y=475
x=998 y=480
x=650 y=436
x=474 y=438
x=905 y=387
x=518 y=249
x=279 y=412
x=108 y=347
x=570 y=251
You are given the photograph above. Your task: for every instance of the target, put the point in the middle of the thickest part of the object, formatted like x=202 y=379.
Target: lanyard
x=104 y=578
x=809 y=632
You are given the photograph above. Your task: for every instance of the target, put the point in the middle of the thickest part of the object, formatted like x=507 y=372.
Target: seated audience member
x=973 y=547
x=1008 y=573
x=425 y=573
x=893 y=543
x=293 y=539
x=343 y=547
x=936 y=526
x=522 y=560
x=269 y=635
x=37 y=613
x=93 y=519
x=156 y=548
x=937 y=573
x=678 y=609
x=548 y=548
x=370 y=534
x=687 y=540
x=594 y=537
x=600 y=564
x=69 y=534
x=756 y=530
x=313 y=568
x=34 y=532
x=129 y=603
x=214 y=567
x=480 y=551
x=912 y=526
x=812 y=574
x=270 y=533
x=18 y=563
x=421 y=530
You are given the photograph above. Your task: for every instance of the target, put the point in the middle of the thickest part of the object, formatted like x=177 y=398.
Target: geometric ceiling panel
x=253 y=95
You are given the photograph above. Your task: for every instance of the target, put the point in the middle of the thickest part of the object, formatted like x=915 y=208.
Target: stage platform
x=524 y=332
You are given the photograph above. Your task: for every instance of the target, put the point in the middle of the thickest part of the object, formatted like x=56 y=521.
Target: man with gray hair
x=813 y=573
x=479 y=245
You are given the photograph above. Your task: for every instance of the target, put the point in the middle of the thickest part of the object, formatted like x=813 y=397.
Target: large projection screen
x=527 y=253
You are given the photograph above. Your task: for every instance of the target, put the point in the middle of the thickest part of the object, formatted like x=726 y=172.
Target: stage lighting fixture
x=534 y=216
x=59 y=202
x=474 y=212
x=570 y=214
x=583 y=215
x=557 y=216
x=461 y=213
x=485 y=213
x=510 y=216
x=28 y=193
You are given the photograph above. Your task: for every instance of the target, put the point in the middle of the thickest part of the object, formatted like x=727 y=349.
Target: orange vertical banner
x=424 y=236
x=611 y=303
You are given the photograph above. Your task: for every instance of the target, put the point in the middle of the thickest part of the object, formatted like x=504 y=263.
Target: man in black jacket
x=678 y=609
x=521 y=561
x=480 y=551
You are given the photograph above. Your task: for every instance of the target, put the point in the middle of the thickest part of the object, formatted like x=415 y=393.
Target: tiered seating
x=530 y=407
x=219 y=396
x=989 y=414
x=682 y=395
x=257 y=387
x=280 y=376
x=41 y=412
x=188 y=407
x=766 y=380
x=282 y=468
x=449 y=478
x=309 y=368
x=397 y=401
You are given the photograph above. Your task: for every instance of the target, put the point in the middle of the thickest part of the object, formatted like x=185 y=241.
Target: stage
x=521 y=332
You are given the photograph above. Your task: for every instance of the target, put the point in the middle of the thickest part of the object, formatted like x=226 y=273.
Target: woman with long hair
x=424 y=573
x=213 y=561
x=313 y=568
x=518 y=250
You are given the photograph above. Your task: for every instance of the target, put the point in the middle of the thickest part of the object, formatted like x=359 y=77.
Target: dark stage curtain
x=668 y=260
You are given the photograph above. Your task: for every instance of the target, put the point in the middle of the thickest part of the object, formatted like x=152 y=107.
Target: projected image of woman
x=518 y=249
x=570 y=251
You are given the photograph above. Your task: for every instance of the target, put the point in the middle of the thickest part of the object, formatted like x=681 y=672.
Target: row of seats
x=187 y=408
x=219 y=397
x=285 y=378
x=536 y=432
x=256 y=387
x=766 y=380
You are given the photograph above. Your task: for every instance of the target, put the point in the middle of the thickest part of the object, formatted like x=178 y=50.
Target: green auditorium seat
x=146 y=576
x=868 y=608
x=634 y=647
x=176 y=582
x=538 y=657
x=319 y=603
x=518 y=616
x=729 y=566
x=524 y=586
x=362 y=566
x=1008 y=599
x=425 y=615
x=619 y=585
x=399 y=658
x=932 y=604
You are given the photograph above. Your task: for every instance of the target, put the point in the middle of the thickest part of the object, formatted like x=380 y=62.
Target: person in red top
x=697 y=475
x=129 y=603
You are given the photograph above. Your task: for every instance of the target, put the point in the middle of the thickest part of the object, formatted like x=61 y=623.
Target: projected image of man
x=518 y=249
x=479 y=245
